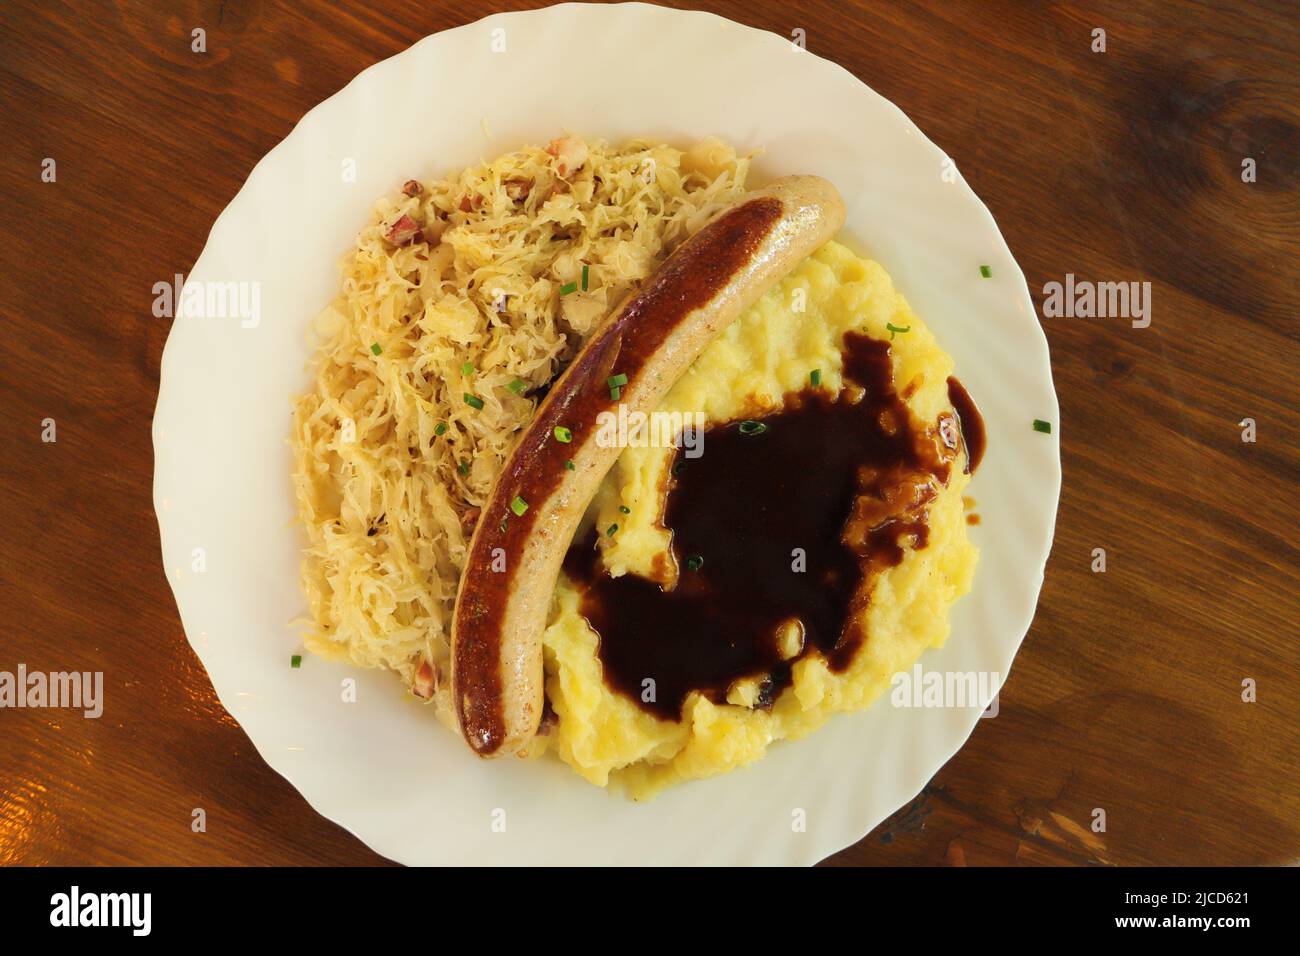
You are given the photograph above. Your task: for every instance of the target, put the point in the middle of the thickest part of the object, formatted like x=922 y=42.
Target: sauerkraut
x=460 y=303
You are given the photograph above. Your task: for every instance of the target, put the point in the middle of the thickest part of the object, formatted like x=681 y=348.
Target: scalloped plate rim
x=168 y=390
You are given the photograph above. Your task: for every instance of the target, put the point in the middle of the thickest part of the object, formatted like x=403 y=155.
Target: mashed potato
x=797 y=326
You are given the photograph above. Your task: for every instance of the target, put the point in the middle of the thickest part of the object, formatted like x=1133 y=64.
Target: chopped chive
x=518 y=506
x=612 y=530
x=563 y=435
x=694 y=562
x=570 y=465
x=986 y=272
x=463 y=467
x=615 y=392
x=473 y=401
x=625 y=509
x=374 y=347
x=614 y=381
x=1042 y=426
x=894 y=328
x=752 y=428
x=440 y=429
x=517 y=386
x=568 y=287
x=467 y=368
x=584 y=278
x=295 y=661
x=815 y=376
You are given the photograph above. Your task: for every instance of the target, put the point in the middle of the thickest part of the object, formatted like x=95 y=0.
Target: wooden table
x=1117 y=166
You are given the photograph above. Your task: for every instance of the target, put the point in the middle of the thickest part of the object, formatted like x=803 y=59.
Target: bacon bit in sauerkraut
x=412 y=188
x=385 y=600
x=570 y=154
x=402 y=231
x=517 y=189
x=426 y=681
x=469 y=519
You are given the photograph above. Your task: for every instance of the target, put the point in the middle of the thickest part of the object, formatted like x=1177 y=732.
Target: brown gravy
x=972 y=423
x=787 y=524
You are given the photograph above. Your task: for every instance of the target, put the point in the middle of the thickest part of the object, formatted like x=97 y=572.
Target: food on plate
x=829 y=493
x=543 y=490
x=489 y=325
x=460 y=303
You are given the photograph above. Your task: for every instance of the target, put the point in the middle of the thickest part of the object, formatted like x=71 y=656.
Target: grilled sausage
x=543 y=490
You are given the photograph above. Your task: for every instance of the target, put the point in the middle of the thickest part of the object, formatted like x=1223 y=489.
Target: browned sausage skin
x=651 y=339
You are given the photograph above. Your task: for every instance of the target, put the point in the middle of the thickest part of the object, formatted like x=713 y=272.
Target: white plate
x=383 y=767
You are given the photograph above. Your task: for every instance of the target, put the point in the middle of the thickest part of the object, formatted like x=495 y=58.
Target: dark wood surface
x=1115 y=166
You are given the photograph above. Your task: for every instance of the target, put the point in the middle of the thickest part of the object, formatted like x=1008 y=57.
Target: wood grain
x=1115 y=166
